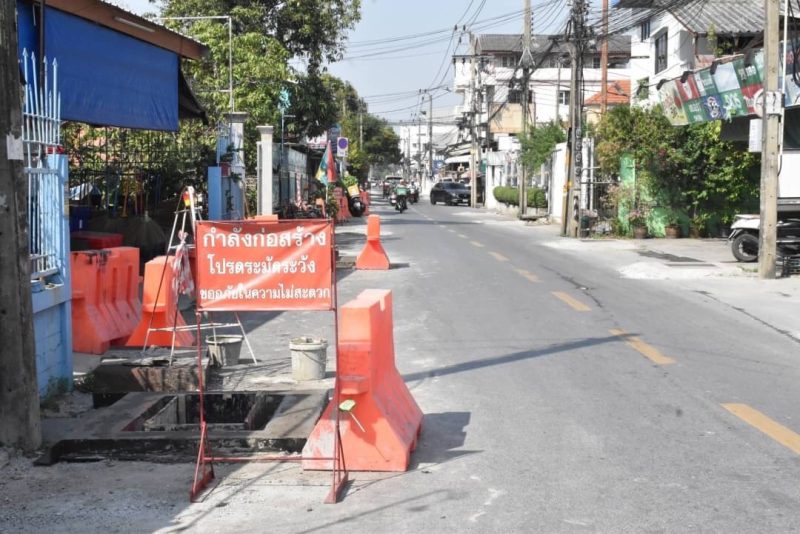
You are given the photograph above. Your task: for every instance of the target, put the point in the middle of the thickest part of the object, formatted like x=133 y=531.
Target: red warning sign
x=261 y=265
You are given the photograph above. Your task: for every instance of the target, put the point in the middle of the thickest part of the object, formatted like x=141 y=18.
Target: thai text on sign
x=261 y=265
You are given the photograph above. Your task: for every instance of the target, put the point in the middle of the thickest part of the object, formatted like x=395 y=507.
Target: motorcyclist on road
x=401 y=194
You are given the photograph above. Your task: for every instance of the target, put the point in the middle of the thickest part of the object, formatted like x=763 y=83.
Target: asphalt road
x=560 y=397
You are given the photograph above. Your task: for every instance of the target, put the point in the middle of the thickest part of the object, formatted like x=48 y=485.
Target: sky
x=393 y=52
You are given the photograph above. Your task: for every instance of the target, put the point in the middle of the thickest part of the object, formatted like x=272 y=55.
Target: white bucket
x=309 y=357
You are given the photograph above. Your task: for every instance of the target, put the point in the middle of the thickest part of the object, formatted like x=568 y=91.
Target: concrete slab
x=140 y=426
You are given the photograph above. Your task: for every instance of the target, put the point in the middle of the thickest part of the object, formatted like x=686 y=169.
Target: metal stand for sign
x=187 y=211
x=204 y=467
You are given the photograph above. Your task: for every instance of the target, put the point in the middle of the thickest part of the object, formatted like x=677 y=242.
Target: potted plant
x=698 y=226
x=638 y=223
x=672 y=230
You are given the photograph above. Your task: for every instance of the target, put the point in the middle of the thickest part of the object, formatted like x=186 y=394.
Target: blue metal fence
x=41 y=136
x=48 y=222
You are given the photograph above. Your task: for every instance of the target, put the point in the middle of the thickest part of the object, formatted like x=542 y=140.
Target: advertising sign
x=262 y=265
x=728 y=92
x=671 y=102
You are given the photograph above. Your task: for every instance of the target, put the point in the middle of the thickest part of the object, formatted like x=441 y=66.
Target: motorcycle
x=356 y=206
x=400 y=203
x=413 y=193
x=744 y=237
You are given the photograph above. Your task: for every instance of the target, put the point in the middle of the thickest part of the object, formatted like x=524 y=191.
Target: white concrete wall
x=680 y=52
x=545 y=85
x=555 y=193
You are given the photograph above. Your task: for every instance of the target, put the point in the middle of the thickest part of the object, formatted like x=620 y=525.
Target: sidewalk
x=703 y=269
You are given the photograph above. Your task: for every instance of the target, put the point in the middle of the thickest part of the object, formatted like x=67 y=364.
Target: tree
x=267 y=35
x=687 y=169
x=539 y=143
x=315 y=30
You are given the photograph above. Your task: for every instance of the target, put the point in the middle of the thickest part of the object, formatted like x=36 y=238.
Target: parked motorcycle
x=744 y=237
x=356 y=206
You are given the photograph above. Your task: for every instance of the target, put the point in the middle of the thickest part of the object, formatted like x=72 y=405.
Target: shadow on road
x=510 y=358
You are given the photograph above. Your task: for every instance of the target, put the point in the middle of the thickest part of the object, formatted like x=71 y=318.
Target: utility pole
x=604 y=62
x=473 y=129
x=419 y=144
x=430 y=135
x=408 y=147
x=20 y=425
x=770 y=158
x=571 y=223
x=361 y=131
x=527 y=64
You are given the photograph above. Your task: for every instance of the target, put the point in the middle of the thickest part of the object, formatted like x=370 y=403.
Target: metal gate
x=41 y=137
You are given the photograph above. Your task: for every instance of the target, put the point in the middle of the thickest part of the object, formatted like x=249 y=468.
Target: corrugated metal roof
x=727 y=17
x=621 y=19
x=508 y=43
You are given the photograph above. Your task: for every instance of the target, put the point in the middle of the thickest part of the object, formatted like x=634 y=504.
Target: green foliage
x=539 y=143
x=349 y=180
x=267 y=35
x=315 y=30
x=687 y=169
x=510 y=196
x=331 y=203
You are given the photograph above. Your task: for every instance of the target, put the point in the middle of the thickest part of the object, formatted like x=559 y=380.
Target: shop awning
x=107 y=77
x=457 y=159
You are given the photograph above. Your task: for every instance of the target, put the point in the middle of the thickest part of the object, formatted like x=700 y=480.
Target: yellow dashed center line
x=648 y=351
x=475 y=243
x=498 y=256
x=773 y=429
x=526 y=274
x=572 y=302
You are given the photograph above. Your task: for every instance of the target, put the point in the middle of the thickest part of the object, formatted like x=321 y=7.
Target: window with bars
x=508 y=62
x=644 y=30
x=661 y=52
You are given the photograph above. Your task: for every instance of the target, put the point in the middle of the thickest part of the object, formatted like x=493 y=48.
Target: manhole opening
x=224 y=411
x=103 y=400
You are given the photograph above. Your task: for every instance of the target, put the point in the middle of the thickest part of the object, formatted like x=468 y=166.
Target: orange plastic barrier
x=123 y=289
x=381 y=428
x=92 y=328
x=344 y=211
x=346 y=208
x=159 y=308
x=373 y=256
x=265 y=218
x=365 y=201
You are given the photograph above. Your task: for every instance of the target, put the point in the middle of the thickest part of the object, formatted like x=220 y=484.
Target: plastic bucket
x=224 y=350
x=309 y=357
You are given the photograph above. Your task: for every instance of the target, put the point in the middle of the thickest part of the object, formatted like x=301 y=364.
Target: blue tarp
x=106 y=77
